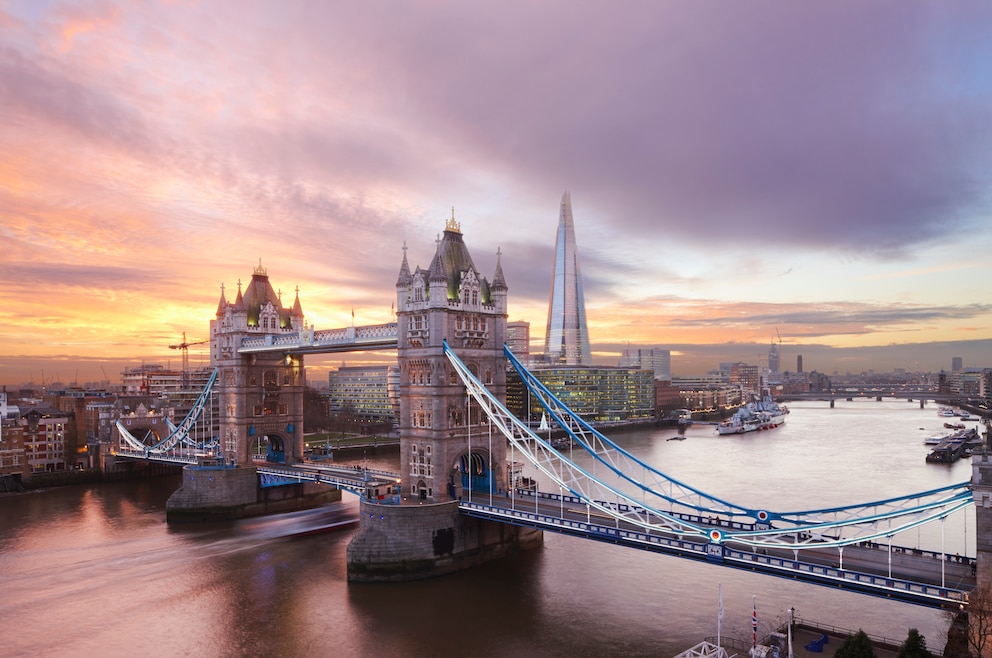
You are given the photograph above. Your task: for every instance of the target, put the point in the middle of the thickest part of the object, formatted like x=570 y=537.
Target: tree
x=314 y=410
x=856 y=646
x=980 y=621
x=915 y=646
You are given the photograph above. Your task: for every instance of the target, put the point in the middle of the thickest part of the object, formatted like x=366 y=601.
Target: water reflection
x=97 y=571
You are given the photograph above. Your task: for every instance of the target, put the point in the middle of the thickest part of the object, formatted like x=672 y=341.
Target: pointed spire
x=222 y=305
x=297 y=309
x=499 y=282
x=239 y=302
x=404 y=277
x=437 y=267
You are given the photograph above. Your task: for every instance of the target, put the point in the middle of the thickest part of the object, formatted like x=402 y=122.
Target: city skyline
x=818 y=172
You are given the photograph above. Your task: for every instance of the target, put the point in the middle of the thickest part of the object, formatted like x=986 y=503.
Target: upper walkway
x=310 y=341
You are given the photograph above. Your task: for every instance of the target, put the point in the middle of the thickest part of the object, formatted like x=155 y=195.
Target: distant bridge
x=877 y=393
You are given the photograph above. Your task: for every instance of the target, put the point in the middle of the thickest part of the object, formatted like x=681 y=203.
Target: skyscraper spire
x=567 y=338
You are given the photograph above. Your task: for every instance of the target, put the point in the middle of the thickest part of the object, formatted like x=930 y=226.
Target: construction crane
x=184 y=346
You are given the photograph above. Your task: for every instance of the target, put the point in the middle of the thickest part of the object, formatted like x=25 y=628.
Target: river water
x=97 y=571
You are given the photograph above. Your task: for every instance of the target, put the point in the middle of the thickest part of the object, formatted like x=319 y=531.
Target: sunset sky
x=823 y=170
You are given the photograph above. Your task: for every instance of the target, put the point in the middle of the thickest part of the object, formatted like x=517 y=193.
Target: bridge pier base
x=411 y=542
x=220 y=493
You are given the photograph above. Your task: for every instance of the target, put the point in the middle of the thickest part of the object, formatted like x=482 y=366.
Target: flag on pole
x=754 y=622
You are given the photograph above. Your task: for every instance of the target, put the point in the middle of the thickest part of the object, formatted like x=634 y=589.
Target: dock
x=955 y=446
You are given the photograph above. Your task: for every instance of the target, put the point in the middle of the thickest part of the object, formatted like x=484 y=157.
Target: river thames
x=97 y=571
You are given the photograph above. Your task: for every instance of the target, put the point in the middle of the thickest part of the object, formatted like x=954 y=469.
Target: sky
x=814 y=174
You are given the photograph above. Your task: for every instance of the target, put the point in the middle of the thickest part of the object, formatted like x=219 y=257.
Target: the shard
x=567 y=338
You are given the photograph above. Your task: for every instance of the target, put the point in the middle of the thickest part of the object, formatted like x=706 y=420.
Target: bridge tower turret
x=260 y=395
x=981 y=487
x=449 y=301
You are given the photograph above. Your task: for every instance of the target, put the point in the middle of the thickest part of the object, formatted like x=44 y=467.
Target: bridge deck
x=918 y=577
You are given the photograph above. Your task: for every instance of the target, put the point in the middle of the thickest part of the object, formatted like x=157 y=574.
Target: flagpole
x=791 y=616
x=719 y=614
x=754 y=624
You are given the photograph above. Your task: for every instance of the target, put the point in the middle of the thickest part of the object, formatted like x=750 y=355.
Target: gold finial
x=451 y=224
x=261 y=271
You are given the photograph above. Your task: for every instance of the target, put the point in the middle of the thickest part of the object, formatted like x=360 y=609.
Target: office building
x=370 y=393
x=567 y=338
x=655 y=359
x=518 y=340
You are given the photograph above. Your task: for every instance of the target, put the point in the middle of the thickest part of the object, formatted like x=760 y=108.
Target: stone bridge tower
x=981 y=487
x=260 y=396
x=449 y=300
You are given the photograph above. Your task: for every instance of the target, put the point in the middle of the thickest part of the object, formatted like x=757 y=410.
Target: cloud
x=154 y=151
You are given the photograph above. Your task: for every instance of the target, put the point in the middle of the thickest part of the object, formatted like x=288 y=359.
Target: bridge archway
x=147 y=435
x=142 y=431
x=474 y=472
x=274 y=447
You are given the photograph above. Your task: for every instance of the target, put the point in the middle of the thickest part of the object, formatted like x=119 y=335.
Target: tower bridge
x=463 y=505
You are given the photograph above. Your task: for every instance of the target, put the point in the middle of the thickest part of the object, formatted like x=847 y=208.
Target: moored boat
x=763 y=414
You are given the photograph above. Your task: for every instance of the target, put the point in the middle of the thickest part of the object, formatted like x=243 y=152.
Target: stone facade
x=407 y=542
x=981 y=483
x=258 y=394
x=449 y=301
x=214 y=492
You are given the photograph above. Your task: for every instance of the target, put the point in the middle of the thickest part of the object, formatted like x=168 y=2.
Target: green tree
x=856 y=646
x=915 y=646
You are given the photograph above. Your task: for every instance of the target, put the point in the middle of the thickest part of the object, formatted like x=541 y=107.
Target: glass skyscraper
x=567 y=338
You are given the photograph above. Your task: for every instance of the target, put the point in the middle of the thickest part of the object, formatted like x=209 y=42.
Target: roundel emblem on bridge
x=763 y=516
x=715 y=535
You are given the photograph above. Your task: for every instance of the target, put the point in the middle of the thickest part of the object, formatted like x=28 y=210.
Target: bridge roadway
x=355 y=479
x=920 y=577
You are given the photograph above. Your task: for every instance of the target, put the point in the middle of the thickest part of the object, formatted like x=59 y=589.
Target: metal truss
x=593 y=491
x=660 y=502
x=183 y=436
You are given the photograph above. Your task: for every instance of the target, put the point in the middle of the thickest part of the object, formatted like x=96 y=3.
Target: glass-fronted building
x=599 y=394
x=567 y=339
x=368 y=392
